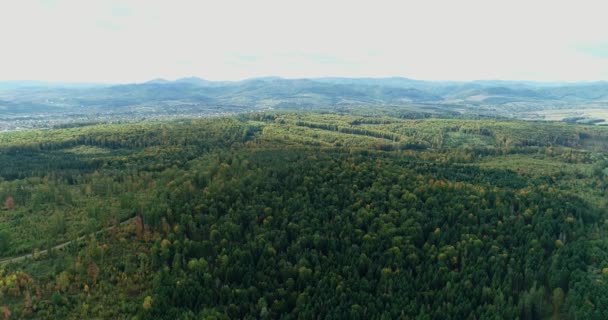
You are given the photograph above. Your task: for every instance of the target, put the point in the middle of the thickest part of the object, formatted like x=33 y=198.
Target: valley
x=27 y=105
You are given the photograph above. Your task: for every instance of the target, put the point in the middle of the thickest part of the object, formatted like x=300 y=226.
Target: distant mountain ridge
x=390 y=90
x=274 y=92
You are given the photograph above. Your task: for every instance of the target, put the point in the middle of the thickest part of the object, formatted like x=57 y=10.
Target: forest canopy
x=305 y=215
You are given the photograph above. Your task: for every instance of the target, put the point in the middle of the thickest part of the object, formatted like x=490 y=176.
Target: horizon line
x=172 y=80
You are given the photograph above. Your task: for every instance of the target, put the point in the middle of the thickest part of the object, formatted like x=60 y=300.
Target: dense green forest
x=305 y=215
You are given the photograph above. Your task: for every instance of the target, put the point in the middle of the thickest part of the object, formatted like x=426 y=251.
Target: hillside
x=34 y=104
x=306 y=215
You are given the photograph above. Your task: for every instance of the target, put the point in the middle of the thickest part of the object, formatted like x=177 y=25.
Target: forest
x=304 y=215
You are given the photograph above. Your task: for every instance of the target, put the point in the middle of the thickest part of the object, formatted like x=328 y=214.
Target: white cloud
x=78 y=40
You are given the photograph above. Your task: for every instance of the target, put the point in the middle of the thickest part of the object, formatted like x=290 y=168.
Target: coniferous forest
x=301 y=215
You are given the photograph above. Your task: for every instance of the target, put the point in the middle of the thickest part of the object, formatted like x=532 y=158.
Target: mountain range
x=196 y=94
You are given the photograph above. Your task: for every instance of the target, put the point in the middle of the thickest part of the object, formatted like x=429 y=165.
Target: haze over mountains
x=196 y=96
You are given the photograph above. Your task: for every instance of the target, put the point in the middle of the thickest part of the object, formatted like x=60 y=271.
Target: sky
x=134 y=41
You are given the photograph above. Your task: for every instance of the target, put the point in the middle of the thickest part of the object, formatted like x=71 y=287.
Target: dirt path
x=61 y=245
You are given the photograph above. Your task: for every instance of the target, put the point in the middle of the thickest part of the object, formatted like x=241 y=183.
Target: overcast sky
x=131 y=41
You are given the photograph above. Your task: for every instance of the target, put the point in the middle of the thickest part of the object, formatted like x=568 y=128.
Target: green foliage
x=307 y=216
